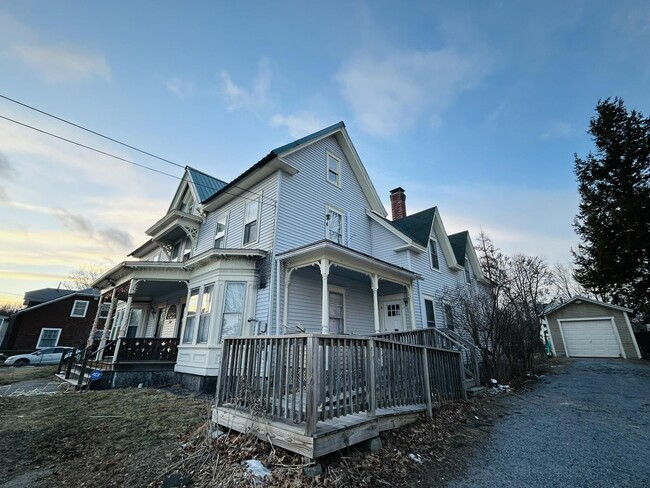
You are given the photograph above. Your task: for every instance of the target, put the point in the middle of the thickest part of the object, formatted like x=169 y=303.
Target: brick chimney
x=398 y=203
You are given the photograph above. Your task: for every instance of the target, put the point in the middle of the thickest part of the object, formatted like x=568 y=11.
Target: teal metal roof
x=417 y=226
x=205 y=185
x=459 y=245
x=315 y=135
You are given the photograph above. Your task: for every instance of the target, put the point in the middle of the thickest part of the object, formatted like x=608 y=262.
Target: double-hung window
x=48 y=338
x=206 y=311
x=220 y=235
x=433 y=254
x=233 y=309
x=333 y=170
x=103 y=312
x=190 y=319
x=79 y=308
x=449 y=315
x=251 y=221
x=336 y=302
x=334 y=225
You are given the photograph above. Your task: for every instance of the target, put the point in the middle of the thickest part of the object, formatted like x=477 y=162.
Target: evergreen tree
x=613 y=221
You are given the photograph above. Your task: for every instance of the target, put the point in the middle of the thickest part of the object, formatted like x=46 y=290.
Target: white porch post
x=374 y=283
x=324 y=265
x=93 y=330
x=409 y=293
x=127 y=310
x=285 y=311
x=107 y=324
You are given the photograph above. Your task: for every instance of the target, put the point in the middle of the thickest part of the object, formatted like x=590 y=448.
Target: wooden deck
x=314 y=394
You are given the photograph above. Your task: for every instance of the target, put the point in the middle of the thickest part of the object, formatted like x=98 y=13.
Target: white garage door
x=591 y=339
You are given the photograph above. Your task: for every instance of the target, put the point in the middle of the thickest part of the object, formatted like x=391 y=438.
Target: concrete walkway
x=34 y=387
x=586 y=427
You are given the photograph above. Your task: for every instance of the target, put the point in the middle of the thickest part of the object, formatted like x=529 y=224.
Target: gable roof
x=65 y=294
x=204 y=184
x=46 y=294
x=417 y=226
x=248 y=177
x=458 y=243
x=578 y=298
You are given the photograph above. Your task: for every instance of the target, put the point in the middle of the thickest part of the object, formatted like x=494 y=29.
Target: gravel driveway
x=588 y=426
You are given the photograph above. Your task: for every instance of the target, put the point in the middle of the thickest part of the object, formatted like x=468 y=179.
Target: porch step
x=476 y=390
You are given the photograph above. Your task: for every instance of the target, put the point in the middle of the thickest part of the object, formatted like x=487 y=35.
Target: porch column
x=107 y=324
x=409 y=294
x=127 y=310
x=93 y=330
x=285 y=310
x=374 y=283
x=324 y=265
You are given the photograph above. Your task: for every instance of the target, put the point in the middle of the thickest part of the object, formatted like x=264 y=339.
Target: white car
x=47 y=355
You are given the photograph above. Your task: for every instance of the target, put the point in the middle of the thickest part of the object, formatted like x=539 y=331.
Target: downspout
x=275 y=277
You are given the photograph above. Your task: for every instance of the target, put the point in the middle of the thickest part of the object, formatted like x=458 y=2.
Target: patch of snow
x=416 y=458
x=256 y=469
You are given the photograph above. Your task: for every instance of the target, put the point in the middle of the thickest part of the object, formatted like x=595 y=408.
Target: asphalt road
x=588 y=426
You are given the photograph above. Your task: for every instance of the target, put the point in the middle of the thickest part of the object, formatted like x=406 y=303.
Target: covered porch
x=331 y=289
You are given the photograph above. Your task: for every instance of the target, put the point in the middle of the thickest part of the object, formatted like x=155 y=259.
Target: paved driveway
x=586 y=427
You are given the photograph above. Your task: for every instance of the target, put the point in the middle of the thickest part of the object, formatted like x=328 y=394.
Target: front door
x=393 y=311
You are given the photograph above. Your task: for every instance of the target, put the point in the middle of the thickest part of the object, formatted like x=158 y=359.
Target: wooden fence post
x=427 y=384
x=461 y=372
x=372 y=381
x=311 y=416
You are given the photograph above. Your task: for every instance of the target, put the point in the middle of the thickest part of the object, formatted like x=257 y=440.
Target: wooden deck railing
x=309 y=378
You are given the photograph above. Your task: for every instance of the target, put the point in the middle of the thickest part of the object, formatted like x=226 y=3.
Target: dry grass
x=139 y=437
x=11 y=374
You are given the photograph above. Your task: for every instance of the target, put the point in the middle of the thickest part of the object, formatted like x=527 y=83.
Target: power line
x=70 y=141
x=43 y=112
x=90 y=131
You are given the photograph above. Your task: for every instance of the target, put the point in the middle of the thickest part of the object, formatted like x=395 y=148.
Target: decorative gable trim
x=439 y=233
x=186 y=182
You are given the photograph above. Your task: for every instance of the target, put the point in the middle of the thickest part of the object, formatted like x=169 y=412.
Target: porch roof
x=344 y=256
x=168 y=270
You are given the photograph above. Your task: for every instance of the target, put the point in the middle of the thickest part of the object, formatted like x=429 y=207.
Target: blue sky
x=477 y=107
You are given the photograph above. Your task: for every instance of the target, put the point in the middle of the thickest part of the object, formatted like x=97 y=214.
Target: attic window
x=333 y=170
x=79 y=308
x=433 y=254
x=187 y=202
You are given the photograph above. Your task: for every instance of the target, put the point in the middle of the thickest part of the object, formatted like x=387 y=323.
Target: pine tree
x=613 y=221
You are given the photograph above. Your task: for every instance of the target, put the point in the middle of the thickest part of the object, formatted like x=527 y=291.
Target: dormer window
x=334 y=225
x=251 y=221
x=468 y=272
x=333 y=170
x=433 y=254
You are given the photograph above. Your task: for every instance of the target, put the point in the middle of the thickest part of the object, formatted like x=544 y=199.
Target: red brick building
x=53 y=318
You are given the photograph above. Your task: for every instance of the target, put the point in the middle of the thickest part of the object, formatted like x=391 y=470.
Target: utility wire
x=70 y=141
x=112 y=140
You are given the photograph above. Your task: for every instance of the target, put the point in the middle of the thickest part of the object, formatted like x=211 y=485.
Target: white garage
x=586 y=328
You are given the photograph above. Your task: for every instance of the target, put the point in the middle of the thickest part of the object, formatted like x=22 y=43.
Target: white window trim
x=222 y=306
x=433 y=245
x=340 y=291
x=259 y=214
x=225 y=232
x=40 y=337
x=197 y=314
x=74 y=305
x=210 y=314
x=338 y=169
x=328 y=209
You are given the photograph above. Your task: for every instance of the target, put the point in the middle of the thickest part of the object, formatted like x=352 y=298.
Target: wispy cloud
x=299 y=124
x=180 y=87
x=55 y=61
x=237 y=97
x=391 y=92
x=558 y=129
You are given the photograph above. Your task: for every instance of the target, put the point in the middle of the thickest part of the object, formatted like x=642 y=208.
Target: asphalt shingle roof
x=459 y=245
x=416 y=226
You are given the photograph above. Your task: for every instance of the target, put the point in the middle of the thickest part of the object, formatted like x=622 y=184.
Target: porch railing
x=308 y=378
x=447 y=339
x=147 y=349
